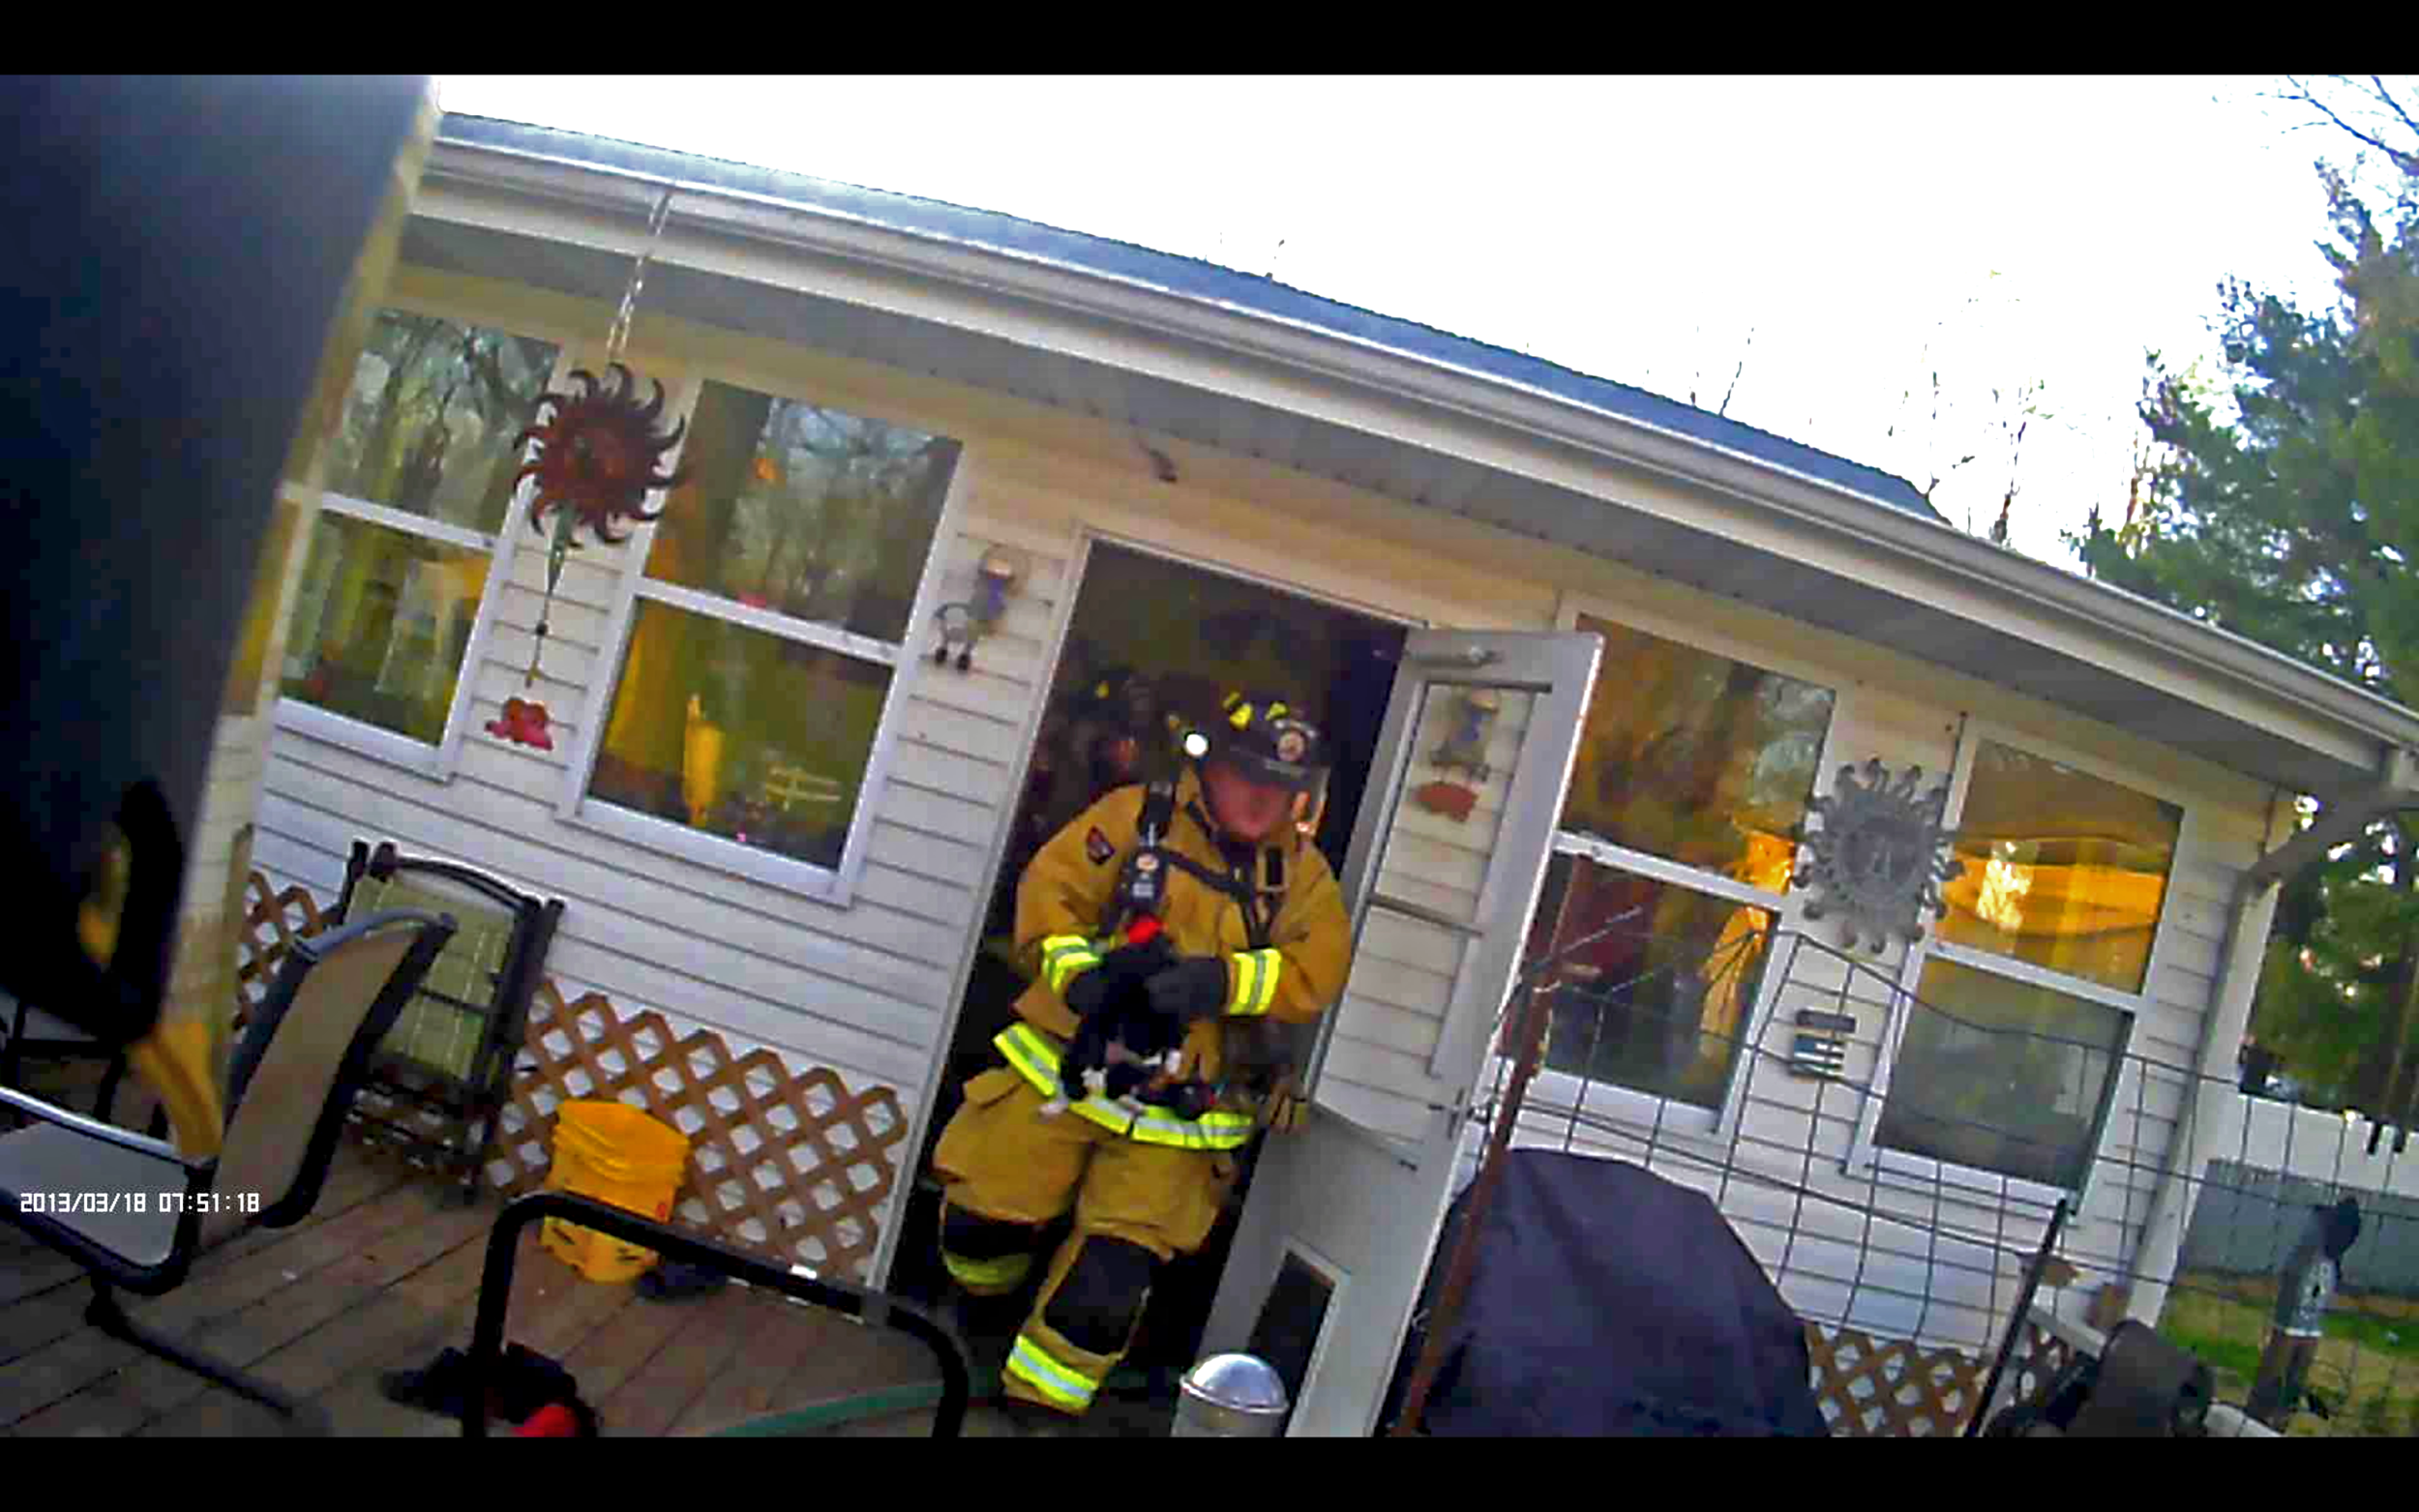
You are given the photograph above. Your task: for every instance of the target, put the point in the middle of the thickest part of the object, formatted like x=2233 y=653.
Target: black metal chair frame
x=495 y=1284
x=473 y=1103
x=111 y=1273
x=19 y=1047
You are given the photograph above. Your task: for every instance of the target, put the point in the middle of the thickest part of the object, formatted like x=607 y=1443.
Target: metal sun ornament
x=596 y=458
x=1876 y=859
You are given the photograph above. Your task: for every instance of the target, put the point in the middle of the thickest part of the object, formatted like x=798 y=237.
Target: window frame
x=906 y=663
x=1653 y=1110
x=441 y=760
x=1897 y=1168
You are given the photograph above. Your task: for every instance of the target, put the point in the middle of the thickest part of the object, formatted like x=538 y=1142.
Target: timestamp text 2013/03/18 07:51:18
x=207 y=1203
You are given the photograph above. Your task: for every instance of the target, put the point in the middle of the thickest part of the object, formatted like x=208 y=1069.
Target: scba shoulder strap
x=1158 y=811
x=1142 y=885
x=1143 y=878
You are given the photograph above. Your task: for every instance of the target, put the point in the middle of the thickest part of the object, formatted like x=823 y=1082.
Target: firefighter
x=1251 y=931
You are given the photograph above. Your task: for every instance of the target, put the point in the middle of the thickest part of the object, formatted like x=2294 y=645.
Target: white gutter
x=1926 y=548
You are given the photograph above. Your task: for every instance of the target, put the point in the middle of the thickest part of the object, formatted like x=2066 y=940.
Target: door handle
x=1470 y=656
x=1412 y=911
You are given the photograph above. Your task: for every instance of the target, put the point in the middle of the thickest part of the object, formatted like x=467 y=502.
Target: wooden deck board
x=247 y=1306
x=52 y=1353
x=846 y=1359
x=28 y=1270
x=618 y=1353
x=567 y=1312
x=378 y=1301
x=381 y=1277
x=702 y=1346
x=357 y=1404
x=751 y=1382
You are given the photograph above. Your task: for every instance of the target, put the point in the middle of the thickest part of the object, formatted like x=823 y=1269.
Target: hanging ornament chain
x=638 y=279
x=566 y=520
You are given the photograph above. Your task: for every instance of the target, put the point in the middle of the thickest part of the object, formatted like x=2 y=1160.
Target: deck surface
x=383 y=1275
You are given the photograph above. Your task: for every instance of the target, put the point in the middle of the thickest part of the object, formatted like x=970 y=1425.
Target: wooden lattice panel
x=272 y=922
x=1886 y=1388
x=791 y=1166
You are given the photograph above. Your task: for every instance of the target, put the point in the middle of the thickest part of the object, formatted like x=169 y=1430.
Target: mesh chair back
x=305 y=1054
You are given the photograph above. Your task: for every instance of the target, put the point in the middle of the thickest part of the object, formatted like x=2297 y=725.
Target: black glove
x=1124 y=968
x=1195 y=986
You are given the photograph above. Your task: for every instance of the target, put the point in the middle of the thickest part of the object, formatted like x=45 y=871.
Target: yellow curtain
x=1740 y=947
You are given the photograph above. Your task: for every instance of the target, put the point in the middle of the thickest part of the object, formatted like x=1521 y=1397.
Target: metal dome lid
x=1243 y=1381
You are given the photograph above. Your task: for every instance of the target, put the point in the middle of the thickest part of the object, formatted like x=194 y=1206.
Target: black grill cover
x=1607 y=1301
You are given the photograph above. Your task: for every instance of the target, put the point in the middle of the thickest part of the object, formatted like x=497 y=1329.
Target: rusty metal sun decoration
x=596 y=458
x=1876 y=859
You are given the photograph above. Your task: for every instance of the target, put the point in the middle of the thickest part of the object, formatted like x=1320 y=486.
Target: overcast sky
x=2030 y=230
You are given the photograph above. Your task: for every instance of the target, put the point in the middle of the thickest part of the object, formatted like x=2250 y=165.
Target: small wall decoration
x=1876 y=861
x=1463 y=750
x=1821 y=1048
x=525 y=723
x=962 y=623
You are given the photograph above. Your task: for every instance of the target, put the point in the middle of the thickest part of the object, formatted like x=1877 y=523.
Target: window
x=1676 y=846
x=769 y=622
x=416 y=484
x=2001 y=1076
x=2029 y=986
x=2063 y=870
x=1659 y=1003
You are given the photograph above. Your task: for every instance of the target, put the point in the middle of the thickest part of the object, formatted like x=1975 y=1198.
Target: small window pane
x=1696 y=759
x=739 y=734
x=430 y=424
x=803 y=509
x=1659 y=1003
x=381 y=620
x=2002 y=1076
x=2063 y=870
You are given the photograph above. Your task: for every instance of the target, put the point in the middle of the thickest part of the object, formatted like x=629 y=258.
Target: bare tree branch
x=2403 y=158
x=1735 y=371
x=2394 y=104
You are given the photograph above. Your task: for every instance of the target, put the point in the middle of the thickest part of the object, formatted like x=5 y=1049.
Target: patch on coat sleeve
x=1096 y=845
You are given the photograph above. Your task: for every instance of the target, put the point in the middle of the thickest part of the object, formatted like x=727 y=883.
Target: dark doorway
x=1154 y=643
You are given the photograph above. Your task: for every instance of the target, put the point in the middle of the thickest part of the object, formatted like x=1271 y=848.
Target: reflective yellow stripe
x=1064 y=955
x=1060 y=1384
x=1005 y=1272
x=1255 y=982
x=1038 y=1061
x=1032 y=1055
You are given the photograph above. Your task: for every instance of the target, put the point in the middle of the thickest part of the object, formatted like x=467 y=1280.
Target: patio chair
x=445 y=1070
x=134 y=1213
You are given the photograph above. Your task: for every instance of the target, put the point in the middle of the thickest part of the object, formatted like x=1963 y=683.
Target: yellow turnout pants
x=999 y=1160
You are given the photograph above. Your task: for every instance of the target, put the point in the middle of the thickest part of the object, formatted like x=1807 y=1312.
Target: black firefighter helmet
x=1265 y=738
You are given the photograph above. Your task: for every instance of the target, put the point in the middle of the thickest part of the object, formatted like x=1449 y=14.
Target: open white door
x=1334 y=1239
